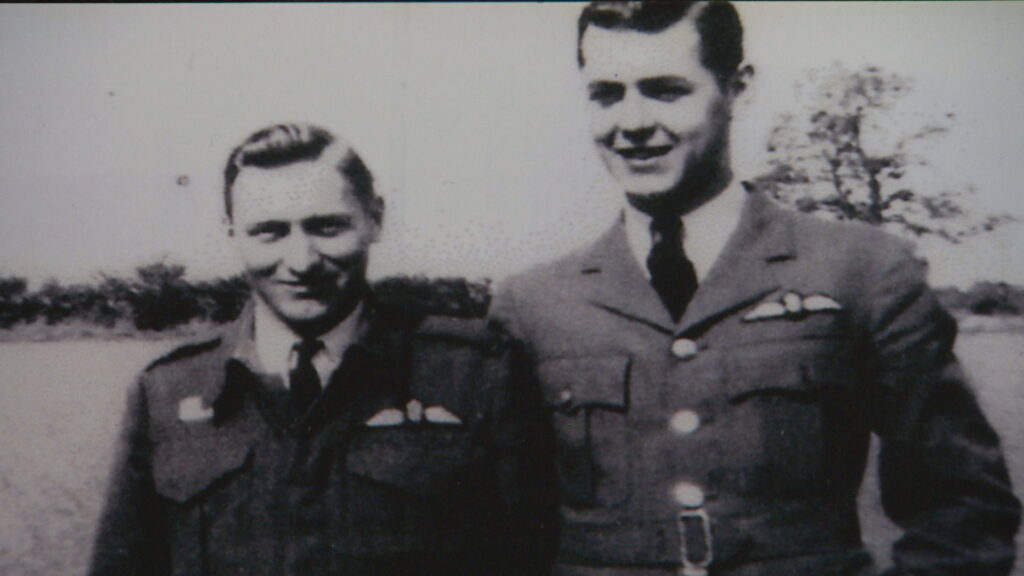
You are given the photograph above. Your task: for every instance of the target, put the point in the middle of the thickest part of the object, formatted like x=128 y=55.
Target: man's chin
x=314 y=317
x=304 y=313
x=647 y=184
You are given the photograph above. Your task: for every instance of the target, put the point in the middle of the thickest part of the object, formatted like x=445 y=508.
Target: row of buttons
x=686 y=494
x=684 y=421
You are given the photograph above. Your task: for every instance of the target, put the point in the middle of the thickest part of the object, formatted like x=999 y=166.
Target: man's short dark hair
x=284 y=144
x=721 y=33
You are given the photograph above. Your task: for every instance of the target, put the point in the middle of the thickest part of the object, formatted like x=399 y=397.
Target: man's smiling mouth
x=643 y=152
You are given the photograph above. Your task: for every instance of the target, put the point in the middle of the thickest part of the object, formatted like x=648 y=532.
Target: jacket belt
x=786 y=530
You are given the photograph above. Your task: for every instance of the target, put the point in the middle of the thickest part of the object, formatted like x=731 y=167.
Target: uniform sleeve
x=942 y=474
x=504 y=310
x=523 y=446
x=129 y=539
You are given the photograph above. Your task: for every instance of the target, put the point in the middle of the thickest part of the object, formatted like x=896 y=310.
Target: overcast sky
x=115 y=122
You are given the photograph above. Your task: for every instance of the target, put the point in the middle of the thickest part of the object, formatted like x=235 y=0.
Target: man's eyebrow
x=265 y=225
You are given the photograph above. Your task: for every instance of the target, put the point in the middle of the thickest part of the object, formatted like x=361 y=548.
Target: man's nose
x=638 y=136
x=301 y=254
x=635 y=123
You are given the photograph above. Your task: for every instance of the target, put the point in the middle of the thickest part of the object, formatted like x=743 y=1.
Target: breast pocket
x=793 y=415
x=186 y=467
x=421 y=460
x=589 y=400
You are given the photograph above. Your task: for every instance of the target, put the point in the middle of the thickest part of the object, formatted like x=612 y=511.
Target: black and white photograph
x=645 y=288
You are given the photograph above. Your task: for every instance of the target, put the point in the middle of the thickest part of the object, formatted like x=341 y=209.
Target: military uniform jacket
x=417 y=459
x=734 y=441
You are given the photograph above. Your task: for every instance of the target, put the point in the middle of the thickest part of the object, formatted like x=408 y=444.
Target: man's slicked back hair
x=284 y=144
x=719 y=26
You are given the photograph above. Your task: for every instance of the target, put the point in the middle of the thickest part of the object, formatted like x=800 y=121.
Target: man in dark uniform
x=715 y=365
x=325 y=432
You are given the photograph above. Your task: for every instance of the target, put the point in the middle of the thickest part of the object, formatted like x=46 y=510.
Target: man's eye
x=665 y=91
x=268 y=232
x=606 y=93
x=671 y=94
x=328 y=227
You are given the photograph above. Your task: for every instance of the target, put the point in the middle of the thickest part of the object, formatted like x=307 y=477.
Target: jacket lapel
x=193 y=454
x=613 y=281
x=744 y=272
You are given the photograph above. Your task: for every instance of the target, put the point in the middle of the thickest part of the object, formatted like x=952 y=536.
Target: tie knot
x=307 y=349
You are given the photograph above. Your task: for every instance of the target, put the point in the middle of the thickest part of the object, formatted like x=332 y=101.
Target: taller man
x=714 y=365
x=326 y=432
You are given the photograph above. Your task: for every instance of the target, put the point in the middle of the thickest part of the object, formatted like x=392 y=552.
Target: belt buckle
x=695 y=562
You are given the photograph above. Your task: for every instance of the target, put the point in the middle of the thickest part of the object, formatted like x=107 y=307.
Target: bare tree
x=849 y=158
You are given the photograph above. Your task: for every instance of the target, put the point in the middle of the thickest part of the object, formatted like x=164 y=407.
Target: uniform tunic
x=734 y=441
x=420 y=457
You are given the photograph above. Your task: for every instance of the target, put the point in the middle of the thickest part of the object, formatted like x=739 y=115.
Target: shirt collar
x=266 y=344
x=706 y=229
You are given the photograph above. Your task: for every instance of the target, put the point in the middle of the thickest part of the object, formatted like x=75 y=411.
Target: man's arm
x=129 y=539
x=943 y=478
x=523 y=442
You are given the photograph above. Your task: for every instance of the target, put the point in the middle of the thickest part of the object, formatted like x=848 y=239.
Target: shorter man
x=324 y=432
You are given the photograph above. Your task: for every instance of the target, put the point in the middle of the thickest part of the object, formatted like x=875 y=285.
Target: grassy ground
x=60 y=404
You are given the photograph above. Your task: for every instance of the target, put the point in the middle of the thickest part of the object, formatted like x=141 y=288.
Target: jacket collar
x=743 y=273
x=377 y=341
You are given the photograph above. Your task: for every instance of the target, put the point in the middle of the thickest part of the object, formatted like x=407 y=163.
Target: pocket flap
x=422 y=459
x=184 y=467
x=571 y=383
x=805 y=367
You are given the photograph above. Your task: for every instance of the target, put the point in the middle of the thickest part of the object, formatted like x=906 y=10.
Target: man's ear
x=742 y=77
x=377 y=215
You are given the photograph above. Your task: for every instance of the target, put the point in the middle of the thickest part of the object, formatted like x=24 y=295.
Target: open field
x=60 y=405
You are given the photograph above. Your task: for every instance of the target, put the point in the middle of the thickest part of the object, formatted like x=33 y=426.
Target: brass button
x=684 y=348
x=684 y=422
x=688 y=495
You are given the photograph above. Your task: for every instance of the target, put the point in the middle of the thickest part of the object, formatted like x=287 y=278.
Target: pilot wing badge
x=414 y=413
x=387 y=417
x=441 y=415
x=792 y=306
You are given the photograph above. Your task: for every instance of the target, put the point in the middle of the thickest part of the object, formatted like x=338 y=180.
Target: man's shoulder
x=551 y=274
x=188 y=368
x=192 y=351
x=482 y=334
x=449 y=311
x=844 y=242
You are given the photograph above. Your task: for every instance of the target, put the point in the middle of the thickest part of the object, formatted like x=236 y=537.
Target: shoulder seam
x=185 y=351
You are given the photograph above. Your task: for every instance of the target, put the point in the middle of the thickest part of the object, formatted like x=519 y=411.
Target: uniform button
x=684 y=348
x=565 y=396
x=688 y=495
x=684 y=422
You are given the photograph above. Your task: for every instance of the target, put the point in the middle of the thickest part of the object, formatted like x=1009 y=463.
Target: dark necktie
x=303 y=379
x=672 y=273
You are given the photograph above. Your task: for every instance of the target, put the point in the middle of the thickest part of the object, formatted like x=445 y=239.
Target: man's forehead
x=621 y=54
x=290 y=186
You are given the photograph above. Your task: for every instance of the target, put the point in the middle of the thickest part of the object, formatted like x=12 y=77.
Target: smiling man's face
x=658 y=115
x=304 y=240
